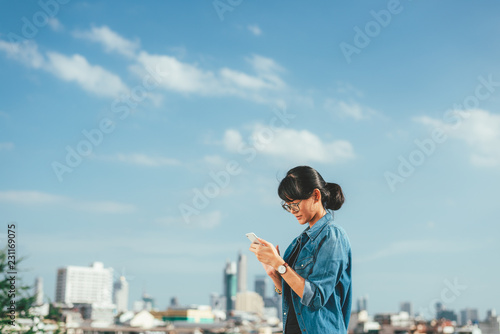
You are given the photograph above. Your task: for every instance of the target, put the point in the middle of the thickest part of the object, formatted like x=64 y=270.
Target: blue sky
x=113 y=119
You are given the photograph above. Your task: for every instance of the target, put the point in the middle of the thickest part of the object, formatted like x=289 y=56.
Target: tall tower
x=120 y=294
x=362 y=303
x=261 y=286
x=230 y=285
x=406 y=307
x=89 y=285
x=242 y=273
x=39 y=291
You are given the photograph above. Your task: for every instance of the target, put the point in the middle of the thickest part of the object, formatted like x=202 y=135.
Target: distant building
x=89 y=290
x=40 y=308
x=174 y=302
x=492 y=323
x=230 y=285
x=250 y=301
x=218 y=302
x=38 y=291
x=147 y=303
x=362 y=303
x=261 y=286
x=401 y=319
x=406 y=307
x=242 y=273
x=469 y=316
x=361 y=323
x=89 y=285
x=443 y=313
x=120 y=294
x=200 y=314
x=96 y=314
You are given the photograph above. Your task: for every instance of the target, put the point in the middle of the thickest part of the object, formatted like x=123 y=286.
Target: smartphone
x=253 y=238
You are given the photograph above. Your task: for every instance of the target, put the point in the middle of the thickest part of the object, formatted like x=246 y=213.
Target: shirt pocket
x=304 y=266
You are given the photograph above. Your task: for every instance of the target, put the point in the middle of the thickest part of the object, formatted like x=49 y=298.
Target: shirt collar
x=312 y=232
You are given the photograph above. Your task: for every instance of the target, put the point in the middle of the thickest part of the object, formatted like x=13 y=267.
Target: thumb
x=278 y=249
x=264 y=242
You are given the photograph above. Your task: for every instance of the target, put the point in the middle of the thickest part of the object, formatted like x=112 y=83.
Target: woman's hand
x=268 y=255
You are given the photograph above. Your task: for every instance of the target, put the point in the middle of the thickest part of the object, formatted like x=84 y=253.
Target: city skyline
x=263 y=289
x=152 y=137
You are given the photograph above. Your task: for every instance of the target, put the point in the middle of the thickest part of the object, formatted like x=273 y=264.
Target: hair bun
x=335 y=198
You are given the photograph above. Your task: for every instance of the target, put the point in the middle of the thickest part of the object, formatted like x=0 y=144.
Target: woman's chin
x=301 y=219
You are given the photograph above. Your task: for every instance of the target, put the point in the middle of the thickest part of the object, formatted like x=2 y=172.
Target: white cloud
x=6 y=146
x=214 y=160
x=25 y=52
x=290 y=144
x=55 y=25
x=182 y=77
x=36 y=198
x=204 y=221
x=478 y=129
x=92 y=78
x=141 y=159
x=110 y=40
x=348 y=109
x=232 y=140
x=76 y=68
x=30 y=197
x=254 y=29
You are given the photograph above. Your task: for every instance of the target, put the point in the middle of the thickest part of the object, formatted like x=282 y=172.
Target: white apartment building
x=86 y=285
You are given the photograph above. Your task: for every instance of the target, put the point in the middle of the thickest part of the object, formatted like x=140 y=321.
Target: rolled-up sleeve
x=327 y=269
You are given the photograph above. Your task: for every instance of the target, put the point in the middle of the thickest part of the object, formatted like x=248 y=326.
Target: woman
x=314 y=274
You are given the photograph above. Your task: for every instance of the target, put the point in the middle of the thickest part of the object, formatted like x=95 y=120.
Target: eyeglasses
x=293 y=207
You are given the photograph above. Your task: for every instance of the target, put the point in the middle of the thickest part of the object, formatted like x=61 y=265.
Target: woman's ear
x=317 y=195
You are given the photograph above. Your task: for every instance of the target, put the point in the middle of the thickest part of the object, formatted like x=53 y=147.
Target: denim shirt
x=325 y=263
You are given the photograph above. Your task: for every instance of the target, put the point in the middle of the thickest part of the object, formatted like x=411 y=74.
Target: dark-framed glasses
x=292 y=207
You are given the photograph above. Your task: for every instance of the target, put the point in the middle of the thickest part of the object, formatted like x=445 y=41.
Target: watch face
x=281 y=269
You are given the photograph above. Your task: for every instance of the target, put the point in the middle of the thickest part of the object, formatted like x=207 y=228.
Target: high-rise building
x=217 y=302
x=230 y=285
x=491 y=325
x=38 y=291
x=89 y=285
x=469 y=315
x=406 y=307
x=120 y=294
x=362 y=303
x=146 y=303
x=491 y=313
x=250 y=301
x=242 y=273
x=443 y=313
x=261 y=286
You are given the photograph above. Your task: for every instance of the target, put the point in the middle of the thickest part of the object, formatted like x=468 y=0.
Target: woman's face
x=310 y=209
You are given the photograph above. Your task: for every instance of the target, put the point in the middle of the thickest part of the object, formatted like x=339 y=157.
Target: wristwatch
x=282 y=268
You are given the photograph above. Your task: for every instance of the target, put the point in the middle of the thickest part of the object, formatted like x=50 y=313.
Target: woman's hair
x=300 y=182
